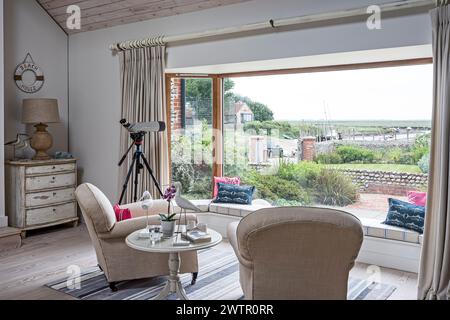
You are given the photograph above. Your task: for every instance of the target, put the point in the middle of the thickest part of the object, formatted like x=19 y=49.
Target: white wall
x=94 y=73
x=3 y=218
x=28 y=28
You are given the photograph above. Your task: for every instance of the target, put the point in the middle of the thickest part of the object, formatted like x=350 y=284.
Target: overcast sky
x=400 y=93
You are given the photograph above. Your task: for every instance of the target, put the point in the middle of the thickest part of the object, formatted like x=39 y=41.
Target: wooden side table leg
x=173 y=284
x=23 y=234
x=165 y=292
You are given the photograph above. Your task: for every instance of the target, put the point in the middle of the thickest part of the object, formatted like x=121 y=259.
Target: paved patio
x=373 y=206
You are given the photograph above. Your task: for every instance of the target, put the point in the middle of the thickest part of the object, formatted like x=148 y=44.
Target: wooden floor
x=45 y=256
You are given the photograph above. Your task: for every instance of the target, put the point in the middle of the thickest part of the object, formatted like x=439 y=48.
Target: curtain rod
x=273 y=24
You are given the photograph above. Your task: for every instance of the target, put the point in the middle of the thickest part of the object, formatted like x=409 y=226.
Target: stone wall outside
x=380 y=182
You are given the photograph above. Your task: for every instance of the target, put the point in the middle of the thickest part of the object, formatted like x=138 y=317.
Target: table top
x=166 y=245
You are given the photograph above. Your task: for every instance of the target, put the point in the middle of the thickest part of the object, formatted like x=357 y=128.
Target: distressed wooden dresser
x=41 y=193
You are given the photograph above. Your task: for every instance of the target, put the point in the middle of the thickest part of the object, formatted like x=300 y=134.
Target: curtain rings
x=136 y=44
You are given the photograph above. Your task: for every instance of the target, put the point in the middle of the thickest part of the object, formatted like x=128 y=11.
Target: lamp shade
x=40 y=111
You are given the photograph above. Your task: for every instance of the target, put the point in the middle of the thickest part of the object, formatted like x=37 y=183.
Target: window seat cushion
x=376 y=228
x=238 y=210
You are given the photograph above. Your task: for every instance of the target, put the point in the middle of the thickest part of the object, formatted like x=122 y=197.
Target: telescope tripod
x=136 y=166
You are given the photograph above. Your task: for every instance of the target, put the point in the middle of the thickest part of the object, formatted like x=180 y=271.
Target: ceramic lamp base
x=41 y=141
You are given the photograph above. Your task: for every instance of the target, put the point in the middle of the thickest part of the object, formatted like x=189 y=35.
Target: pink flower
x=169 y=193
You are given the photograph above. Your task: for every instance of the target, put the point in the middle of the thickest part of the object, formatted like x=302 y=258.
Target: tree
x=261 y=111
x=199 y=92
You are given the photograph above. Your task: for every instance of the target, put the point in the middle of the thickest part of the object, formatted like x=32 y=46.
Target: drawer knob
x=54 y=193
x=53 y=167
x=54 y=210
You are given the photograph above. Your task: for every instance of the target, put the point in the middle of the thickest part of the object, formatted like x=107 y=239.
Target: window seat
x=372 y=227
x=383 y=245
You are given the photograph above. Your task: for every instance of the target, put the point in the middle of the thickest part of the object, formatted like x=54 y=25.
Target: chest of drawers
x=41 y=193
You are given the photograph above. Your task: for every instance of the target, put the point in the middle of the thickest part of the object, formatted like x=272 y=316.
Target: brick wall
x=308 y=148
x=175 y=105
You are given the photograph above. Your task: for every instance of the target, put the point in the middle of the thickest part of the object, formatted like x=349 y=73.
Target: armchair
x=115 y=258
x=296 y=252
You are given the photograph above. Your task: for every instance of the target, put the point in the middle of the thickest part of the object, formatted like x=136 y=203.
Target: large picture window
x=350 y=138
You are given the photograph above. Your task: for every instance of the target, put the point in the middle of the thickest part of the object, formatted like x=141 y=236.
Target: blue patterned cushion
x=405 y=215
x=230 y=193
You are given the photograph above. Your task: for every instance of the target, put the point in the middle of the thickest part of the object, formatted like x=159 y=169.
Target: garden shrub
x=304 y=172
x=329 y=158
x=400 y=156
x=351 y=154
x=421 y=147
x=273 y=188
x=335 y=189
x=424 y=163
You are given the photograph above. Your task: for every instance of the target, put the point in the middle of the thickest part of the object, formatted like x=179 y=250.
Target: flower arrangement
x=168 y=195
x=168 y=220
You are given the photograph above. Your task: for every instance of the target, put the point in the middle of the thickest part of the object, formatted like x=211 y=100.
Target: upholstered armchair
x=115 y=258
x=296 y=253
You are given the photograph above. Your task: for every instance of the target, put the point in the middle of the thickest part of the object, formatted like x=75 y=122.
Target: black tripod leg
x=151 y=174
x=136 y=176
x=125 y=185
x=125 y=155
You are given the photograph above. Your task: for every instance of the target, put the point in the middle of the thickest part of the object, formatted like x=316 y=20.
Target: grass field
x=404 y=168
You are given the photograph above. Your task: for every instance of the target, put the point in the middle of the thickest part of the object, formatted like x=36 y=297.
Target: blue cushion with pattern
x=231 y=193
x=405 y=215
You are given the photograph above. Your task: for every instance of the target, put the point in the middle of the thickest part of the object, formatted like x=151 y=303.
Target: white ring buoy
x=38 y=74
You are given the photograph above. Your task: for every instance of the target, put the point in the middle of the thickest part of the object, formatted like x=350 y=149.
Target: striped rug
x=218 y=280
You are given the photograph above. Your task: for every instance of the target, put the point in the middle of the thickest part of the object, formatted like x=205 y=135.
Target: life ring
x=38 y=74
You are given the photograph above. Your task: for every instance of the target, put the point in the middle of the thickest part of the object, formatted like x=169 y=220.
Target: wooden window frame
x=217 y=88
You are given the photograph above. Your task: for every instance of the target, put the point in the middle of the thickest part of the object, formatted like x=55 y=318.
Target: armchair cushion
x=159 y=206
x=97 y=206
x=123 y=228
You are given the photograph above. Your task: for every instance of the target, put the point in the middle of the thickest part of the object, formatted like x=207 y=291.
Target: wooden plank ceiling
x=99 y=14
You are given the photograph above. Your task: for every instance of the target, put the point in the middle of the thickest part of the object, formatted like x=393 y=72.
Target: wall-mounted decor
x=37 y=80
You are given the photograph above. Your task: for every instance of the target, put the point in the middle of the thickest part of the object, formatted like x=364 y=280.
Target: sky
x=395 y=93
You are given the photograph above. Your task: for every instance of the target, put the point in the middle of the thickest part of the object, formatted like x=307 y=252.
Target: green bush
x=418 y=152
x=273 y=188
x=329 y=158
x=421 y=147
x=335 y=189
x=304 y=173
x=351 y=154
x=400 y=156
x=424 y=163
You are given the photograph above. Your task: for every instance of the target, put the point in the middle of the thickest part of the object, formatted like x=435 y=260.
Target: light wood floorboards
x=45 y=256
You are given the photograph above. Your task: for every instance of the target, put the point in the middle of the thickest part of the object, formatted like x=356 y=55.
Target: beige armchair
x=296 y=253
x=115 y=258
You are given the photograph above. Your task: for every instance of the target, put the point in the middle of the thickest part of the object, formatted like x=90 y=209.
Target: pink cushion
x=417 y=198
x=228 y=180
x=122 y=214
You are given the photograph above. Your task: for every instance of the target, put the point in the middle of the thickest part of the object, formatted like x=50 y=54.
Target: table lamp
x=39 y=112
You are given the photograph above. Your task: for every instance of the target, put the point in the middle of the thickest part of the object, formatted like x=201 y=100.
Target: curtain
x=143 y=100
x=434 y=274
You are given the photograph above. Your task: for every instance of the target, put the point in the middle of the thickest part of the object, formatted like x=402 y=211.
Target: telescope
x=151 y=126
x=137 y=132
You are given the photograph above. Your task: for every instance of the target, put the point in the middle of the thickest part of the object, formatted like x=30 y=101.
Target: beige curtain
x=434 y=275
x=143 y=99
